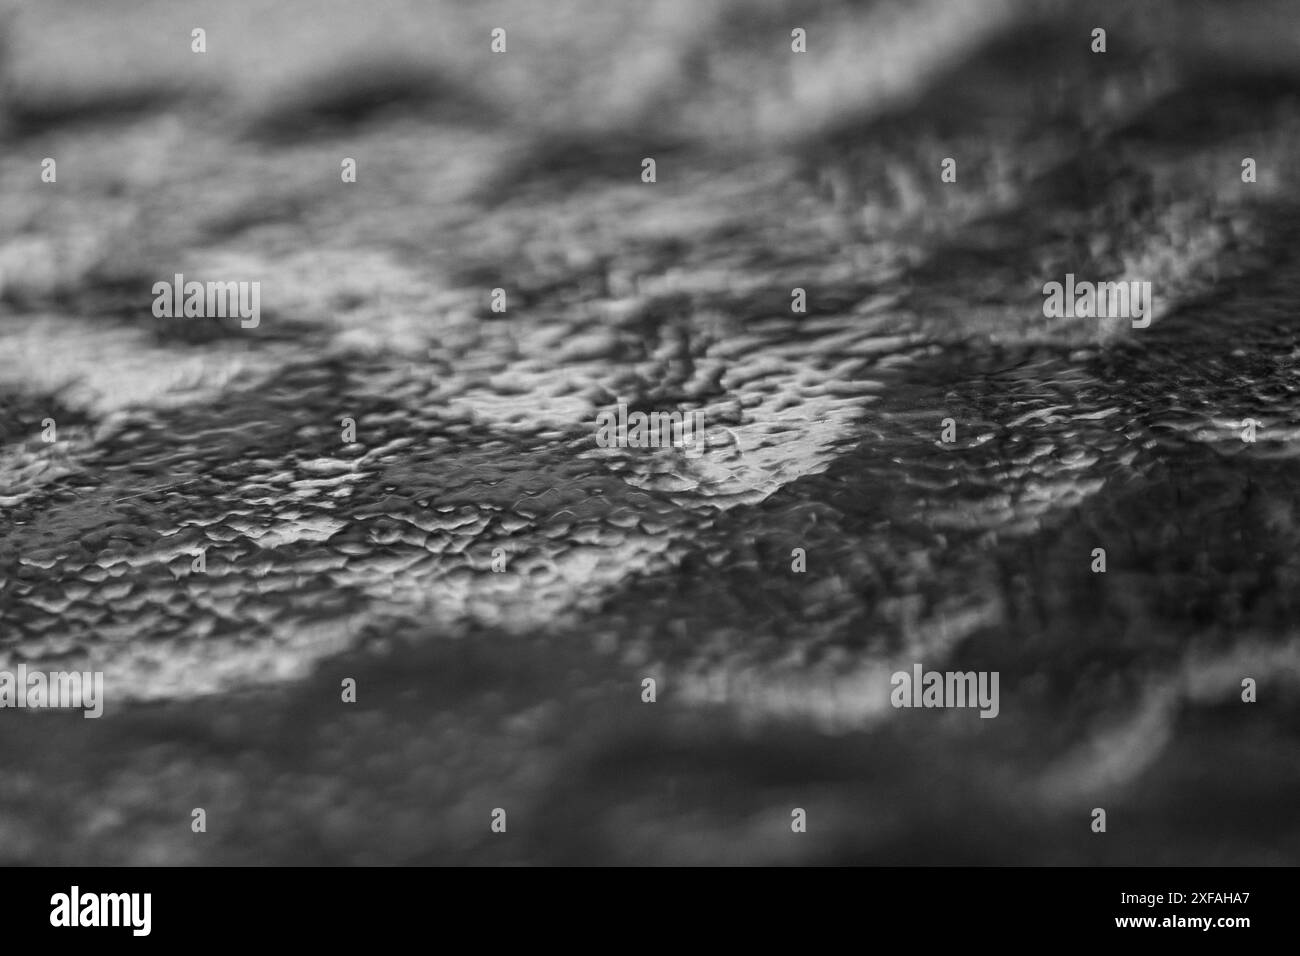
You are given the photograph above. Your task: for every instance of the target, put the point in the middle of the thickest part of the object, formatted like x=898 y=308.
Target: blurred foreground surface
x=474 y=432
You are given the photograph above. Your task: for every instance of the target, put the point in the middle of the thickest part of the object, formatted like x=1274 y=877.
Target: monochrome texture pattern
x=365 y=585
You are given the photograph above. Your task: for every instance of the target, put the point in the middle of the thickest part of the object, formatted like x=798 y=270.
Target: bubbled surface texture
x=474 y=431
